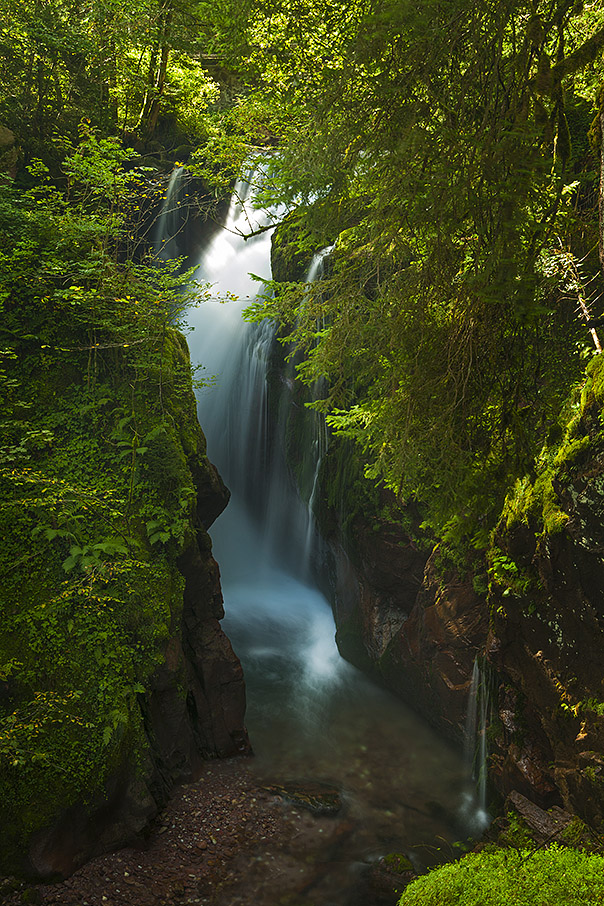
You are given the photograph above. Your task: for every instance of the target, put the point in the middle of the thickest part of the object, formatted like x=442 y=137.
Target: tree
x=434 y=139
x=105 y=61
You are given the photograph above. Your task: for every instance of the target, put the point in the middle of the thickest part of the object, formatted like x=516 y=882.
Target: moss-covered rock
x=547 y=576
x=115 y=677
x=294 y=243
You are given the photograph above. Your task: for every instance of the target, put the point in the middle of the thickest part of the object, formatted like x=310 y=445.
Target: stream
x=311 y=717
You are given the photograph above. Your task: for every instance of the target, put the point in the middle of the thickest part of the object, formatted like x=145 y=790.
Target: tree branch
x=580 y=57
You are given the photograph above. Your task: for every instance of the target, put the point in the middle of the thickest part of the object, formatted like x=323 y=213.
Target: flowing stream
x=311 y=715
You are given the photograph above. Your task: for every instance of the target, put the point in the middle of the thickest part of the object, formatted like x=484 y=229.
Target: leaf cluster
x=432 y=145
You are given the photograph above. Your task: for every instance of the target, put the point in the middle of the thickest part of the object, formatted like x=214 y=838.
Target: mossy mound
x=510 y=877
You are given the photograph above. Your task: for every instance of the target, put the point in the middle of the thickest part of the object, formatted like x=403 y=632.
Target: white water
x=169 y=224
x=310 y=714
x=282 y=616
x=476 y=749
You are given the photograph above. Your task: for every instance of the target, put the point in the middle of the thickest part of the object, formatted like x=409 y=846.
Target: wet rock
x=319 y=799
x=387 y=878
x=430 y=659
x=547 y=633
x=404 y=622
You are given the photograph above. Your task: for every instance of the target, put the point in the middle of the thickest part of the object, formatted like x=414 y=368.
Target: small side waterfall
x=170 y=220
x=303 y=432
x=319 y=436
x=476 y=743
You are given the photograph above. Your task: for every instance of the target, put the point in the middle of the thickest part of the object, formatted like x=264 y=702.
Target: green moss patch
x=93 y=522
x=535 y=502
x=509 y=877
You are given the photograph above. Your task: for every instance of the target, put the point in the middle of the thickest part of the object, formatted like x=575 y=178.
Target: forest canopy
x=443 y=149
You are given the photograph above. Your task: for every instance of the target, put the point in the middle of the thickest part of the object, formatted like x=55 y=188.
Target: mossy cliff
x=116 y=680
x=547 y=617
x=533 y=606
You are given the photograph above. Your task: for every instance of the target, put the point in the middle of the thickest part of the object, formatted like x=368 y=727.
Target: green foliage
x=535 y=501
x=506 y=573
x=438 y=161
x=513 y=878
x=96 y=494
x=293 y=245
x=126 y=66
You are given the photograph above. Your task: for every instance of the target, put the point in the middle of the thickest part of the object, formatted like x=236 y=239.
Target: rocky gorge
x=528 y=610
x=354 y=520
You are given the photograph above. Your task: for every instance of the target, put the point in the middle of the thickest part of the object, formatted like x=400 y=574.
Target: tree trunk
x=151 y=76
x=156 y=80
x=158 y=91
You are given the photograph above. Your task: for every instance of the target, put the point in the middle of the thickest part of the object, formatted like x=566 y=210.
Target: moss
x=397 y=862
x=554 y=518
x=592 y=392
x=93 y=524
x=577 y=834
x=516 y=832
x=522 y=877
x=536 y=502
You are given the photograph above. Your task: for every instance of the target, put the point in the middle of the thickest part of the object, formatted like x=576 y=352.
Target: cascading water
x=170 y=223
x=311 y=715
x=476 y=747
x=316 y=440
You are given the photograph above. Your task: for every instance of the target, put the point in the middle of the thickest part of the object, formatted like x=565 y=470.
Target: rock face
x=192 y=707
x=418 y=626
x=542 y=626
x=430 y=660
x=415 y=631
x=547 y=638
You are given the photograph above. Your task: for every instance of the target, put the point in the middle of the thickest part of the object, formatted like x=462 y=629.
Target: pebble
x=175 y=868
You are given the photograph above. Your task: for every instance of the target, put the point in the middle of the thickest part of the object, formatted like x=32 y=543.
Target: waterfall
x=245 y=439
x=476 y=745
x=263 y=540
x=311 y=438
x=170 y=220
x=311 y=715
x=318 y=438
